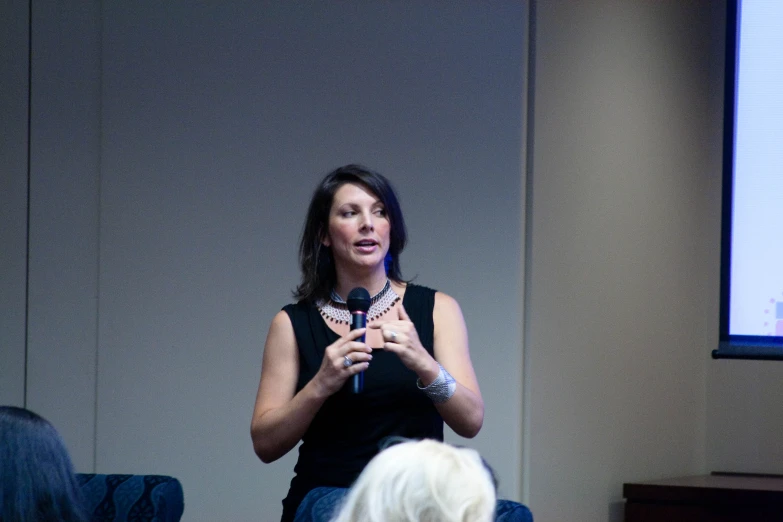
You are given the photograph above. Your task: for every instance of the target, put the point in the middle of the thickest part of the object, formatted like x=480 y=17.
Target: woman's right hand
x=282 y=414
x=334 y=372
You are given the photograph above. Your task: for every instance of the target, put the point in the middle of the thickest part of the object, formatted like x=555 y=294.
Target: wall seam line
x=98 y=239
x=29 y=177
x=528 y=252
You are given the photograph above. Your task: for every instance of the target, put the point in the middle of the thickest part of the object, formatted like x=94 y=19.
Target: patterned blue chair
x=510 y=511
x=131 y=498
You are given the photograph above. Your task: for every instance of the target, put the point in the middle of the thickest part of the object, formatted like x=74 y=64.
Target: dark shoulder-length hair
x=315 y=259
x=37 y=481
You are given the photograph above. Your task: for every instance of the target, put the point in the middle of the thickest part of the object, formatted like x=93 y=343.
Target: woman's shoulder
x=297 y=306
x=297 y=312
x=420 y=297
x=440 y=302
x=416 y=290
x=425 y=292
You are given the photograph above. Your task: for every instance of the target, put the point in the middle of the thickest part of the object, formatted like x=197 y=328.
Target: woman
x=422 y=480
x=417 y=366
x=37 y=482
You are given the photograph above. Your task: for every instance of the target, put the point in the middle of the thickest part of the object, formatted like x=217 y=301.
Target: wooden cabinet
x=719 y=497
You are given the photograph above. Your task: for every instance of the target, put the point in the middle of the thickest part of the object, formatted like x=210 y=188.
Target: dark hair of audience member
x=37 y=482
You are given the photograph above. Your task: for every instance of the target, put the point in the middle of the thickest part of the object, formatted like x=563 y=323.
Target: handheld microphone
x=358 y=303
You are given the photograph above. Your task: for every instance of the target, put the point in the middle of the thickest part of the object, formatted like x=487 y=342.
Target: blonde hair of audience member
x=420 y=481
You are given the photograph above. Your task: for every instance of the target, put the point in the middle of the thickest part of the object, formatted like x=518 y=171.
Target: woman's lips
x=366 y=247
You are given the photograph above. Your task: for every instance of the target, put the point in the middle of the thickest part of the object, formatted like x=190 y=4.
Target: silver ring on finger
x=347 y=361
x=393 y=336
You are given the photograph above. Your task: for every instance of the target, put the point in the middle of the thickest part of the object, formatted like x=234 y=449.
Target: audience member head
x=37 y=482
x=422 y=480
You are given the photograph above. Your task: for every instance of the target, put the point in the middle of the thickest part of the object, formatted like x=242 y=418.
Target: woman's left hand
x=400 y=337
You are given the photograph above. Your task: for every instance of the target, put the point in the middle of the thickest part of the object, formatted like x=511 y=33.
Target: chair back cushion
x=131 y=498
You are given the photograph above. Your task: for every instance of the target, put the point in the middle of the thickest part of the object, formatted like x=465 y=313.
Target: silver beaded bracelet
x=441 y=389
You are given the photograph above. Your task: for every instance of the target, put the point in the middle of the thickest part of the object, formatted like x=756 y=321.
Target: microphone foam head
x=358 y=300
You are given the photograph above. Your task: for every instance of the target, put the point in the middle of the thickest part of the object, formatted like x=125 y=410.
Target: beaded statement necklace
x=336 y=310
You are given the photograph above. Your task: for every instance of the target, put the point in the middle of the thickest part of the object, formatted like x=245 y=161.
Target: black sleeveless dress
x=348 y=429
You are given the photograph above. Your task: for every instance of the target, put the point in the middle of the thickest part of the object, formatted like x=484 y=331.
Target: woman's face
x=358 y=231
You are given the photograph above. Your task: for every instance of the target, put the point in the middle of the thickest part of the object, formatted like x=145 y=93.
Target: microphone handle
x=358 y=320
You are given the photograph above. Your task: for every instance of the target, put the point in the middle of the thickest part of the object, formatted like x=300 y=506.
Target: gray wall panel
x=623 y=279
x=14 y=61
x=218 y=121
x=65 y=161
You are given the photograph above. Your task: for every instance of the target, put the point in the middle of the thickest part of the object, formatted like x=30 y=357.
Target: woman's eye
x=381 y=212
x=348 y=213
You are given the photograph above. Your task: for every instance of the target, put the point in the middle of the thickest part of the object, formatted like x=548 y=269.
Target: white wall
x=624 y=234
x=744 y=417
x=174 y=149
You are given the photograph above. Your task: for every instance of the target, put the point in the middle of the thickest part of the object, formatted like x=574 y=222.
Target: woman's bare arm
x=281 y=416
x=464 y=411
